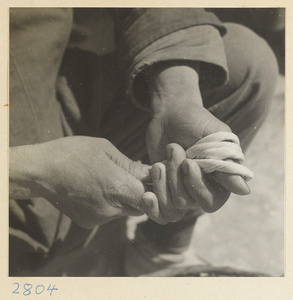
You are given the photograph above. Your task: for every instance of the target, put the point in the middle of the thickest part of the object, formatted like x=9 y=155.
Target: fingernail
x=156 y=172
x=185 y=168
x=148 y=202
x=247 y=190
x=169 y=152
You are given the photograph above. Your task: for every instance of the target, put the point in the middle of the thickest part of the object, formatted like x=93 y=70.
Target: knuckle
x=105 y=142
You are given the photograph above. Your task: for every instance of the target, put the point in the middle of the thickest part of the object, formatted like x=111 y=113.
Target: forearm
x=171 y=84
x=187 y=37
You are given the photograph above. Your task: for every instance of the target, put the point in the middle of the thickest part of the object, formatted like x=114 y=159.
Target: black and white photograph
x=146 y=142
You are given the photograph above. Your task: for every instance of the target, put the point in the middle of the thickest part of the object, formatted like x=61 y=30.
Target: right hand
x=89 y=180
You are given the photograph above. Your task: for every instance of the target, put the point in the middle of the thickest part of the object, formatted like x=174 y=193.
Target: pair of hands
x=89 y=180
x=92 y=182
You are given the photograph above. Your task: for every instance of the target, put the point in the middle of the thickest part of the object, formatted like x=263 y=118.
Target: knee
x=253 y=73
x=253 y=57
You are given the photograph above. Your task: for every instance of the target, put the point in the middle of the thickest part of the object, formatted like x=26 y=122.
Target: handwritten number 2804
x=29 y=289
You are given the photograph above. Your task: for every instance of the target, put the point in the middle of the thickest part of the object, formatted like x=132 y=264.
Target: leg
x=37 y=41
x=243 y=102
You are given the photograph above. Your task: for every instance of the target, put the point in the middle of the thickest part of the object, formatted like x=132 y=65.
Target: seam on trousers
x=27 y=94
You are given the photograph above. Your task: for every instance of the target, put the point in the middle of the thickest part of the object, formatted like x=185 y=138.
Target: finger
x=151 y=208
x=121 y=188
x=233 y=183
x=160 y=188
x=130 y=211
x=229 y=174
x=209 y=195
x=220 y=136
x=180 y=197
x=224 y=166
x=223 y=158
x=140 y=171
x=136 y=169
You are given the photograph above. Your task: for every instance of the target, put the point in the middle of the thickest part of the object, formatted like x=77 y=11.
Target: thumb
x=136 y=169
x=213 y=124
x=125 y=189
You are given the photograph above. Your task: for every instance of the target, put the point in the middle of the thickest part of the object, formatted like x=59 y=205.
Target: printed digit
x=27 y=289
x=15 y=291
x=42 y=289
x=51 y=289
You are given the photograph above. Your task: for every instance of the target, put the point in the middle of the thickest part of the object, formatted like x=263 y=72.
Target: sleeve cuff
x=195 y=44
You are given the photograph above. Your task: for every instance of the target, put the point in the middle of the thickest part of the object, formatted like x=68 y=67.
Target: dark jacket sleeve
x=145 y=37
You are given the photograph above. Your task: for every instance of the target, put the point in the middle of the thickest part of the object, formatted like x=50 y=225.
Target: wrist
x=26 y=166
x=173 y=85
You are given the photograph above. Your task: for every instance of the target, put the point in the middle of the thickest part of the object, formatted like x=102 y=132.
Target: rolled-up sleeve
x=146 y=37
